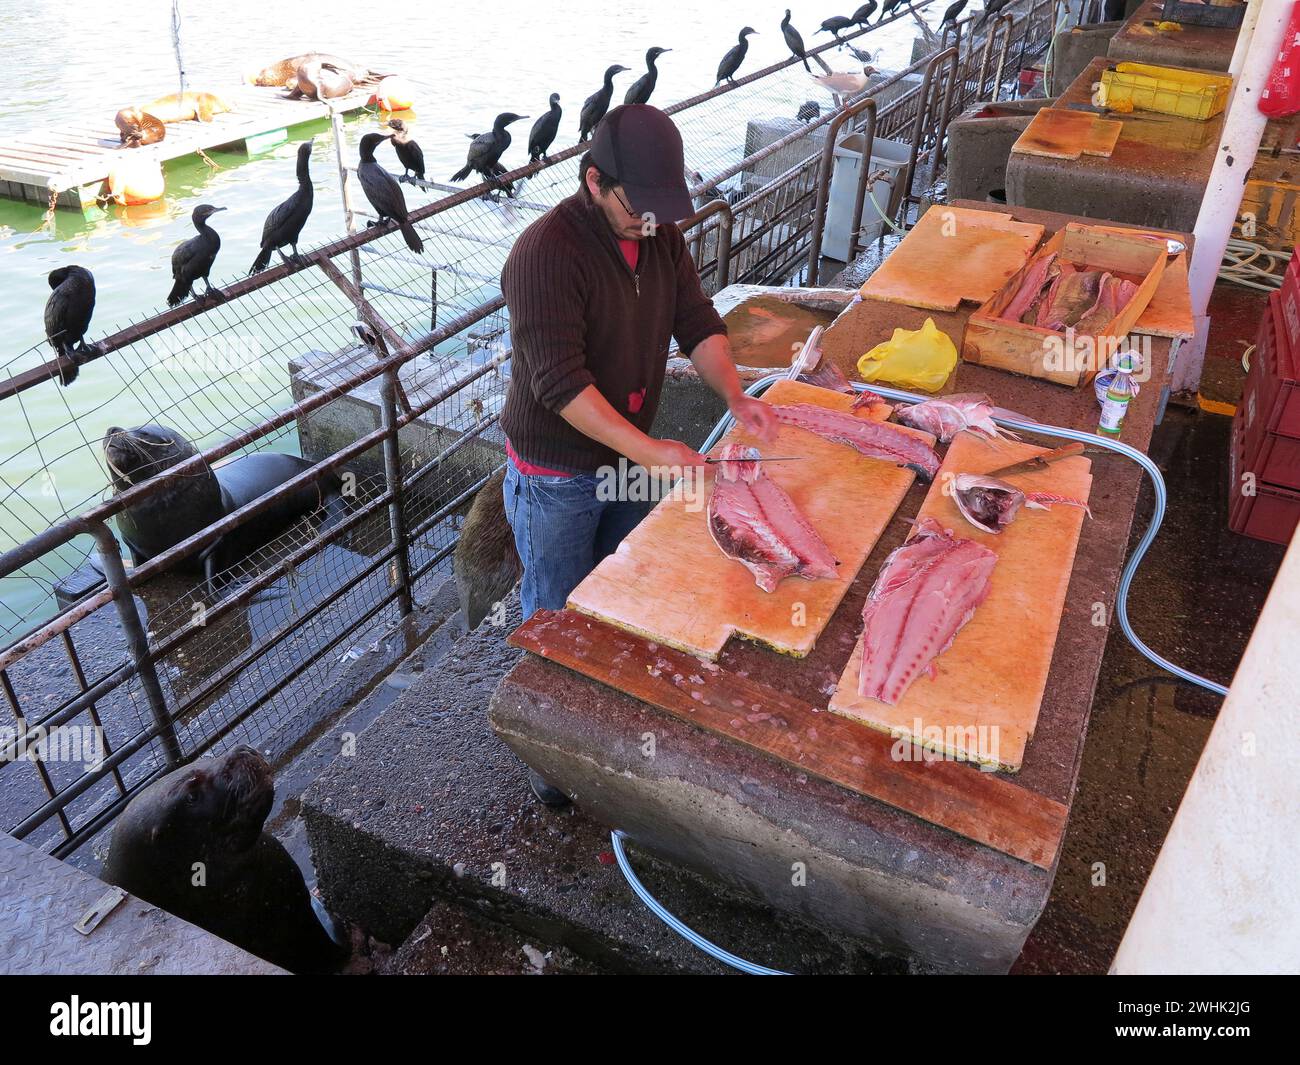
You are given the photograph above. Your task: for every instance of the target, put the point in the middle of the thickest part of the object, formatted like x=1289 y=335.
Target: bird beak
x=216 y=209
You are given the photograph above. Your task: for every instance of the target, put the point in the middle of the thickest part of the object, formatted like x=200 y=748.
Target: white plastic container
x=889 y=156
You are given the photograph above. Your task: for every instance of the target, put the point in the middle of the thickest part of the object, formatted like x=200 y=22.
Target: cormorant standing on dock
x=641 y=89
x=834 y=24
x=864 y=13
x=383 y=191
x=793 y=41
x=595 y=105
x=193 y=258
x=284 y=224
x=990 y=9
x=67 y=315
x=951 y=14
x=544 y=130
x=734 y=57
x=409 y=154
x=486 y=149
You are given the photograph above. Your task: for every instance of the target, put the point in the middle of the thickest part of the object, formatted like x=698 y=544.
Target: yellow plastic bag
x=912 y=358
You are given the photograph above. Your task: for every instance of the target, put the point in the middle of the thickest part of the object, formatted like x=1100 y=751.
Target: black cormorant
x=486 y=149
x=990 y=9
x=193 y=258
x=595 y=105
x=834 y=24
x=67 y=315
x=641 y=89
x=409 y=154
x=953 y=11
x=284 y=224
x=862 y=14
x=544 y=130
x=793 y=41
x=809 y=110
x=885 y=8
x=734 y=57
x=383 y=191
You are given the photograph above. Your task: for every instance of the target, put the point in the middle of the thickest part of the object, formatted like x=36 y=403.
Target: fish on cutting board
x=946 y=416
x=752 y=520
x=926 y=592
x=877 y=440
x=990 y=504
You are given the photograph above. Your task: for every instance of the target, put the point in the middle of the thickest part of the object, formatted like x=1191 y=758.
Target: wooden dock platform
x=71 y=162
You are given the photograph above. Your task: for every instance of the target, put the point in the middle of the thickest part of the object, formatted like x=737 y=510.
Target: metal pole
x=345 y=187
x=393 y=476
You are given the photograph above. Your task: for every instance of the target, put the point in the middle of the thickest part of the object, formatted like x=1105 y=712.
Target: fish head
x=988 y=503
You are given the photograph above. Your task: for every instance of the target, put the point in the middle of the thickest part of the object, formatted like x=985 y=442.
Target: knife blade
x=762 y=458
x=1039 y=461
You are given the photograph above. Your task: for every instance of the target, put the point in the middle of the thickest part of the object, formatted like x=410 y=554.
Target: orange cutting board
x=983 y=703
x=953 y=254
x=1060 y=133
x=669 y=582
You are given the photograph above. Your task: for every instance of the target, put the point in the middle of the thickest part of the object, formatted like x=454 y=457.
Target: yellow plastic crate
x=1169 y=90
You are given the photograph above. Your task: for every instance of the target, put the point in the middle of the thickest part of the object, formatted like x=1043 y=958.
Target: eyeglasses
x=626 y=206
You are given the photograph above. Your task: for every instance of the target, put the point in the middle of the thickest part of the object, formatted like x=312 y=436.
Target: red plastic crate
x=1271 y=513
x=1272 y=392
x=1276 y=460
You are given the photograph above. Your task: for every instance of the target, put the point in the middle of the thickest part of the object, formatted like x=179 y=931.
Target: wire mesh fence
x=397 y=430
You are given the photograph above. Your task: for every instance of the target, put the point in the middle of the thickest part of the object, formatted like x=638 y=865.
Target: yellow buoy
x=395 y=94
x=134 y=180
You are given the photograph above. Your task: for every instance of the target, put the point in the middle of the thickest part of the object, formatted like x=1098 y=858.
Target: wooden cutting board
x=669 y=581
x=953 y=254
x=993 y=676
x=1060 y=133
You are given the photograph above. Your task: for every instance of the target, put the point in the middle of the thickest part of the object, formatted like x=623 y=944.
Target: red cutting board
x=983 y=704
x=669 y=582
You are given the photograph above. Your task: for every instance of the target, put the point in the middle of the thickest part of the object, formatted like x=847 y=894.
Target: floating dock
x=68 y=164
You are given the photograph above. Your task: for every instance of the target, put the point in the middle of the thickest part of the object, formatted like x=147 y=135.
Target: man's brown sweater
x=580 y=316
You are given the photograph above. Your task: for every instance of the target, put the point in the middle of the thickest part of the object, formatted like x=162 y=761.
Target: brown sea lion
x=284 y=74
x=136 y=127
x=186 y=107
x=322 y=81
x=192 y=843
x=486 y=563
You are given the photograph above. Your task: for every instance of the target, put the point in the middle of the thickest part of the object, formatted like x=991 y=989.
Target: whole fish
x=752 y=520
x=926 y=592
x=946 y=416
x=990 y=504
x=877 y=440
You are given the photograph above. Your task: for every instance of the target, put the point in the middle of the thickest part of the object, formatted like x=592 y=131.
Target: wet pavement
x=1195 y=600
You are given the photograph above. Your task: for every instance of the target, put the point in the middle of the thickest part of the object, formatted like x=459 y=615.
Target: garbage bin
x=889 y=156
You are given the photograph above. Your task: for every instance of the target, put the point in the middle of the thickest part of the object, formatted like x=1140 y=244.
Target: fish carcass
x=753 y=521
x=990 y=504
x=877 y=440
x=946 y=416
x=926 y=592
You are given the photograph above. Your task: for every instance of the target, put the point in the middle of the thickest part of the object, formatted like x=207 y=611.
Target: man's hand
x=673 y=454
x=756 y=416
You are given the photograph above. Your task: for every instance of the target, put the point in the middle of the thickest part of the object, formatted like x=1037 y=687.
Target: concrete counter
x=1138 y=41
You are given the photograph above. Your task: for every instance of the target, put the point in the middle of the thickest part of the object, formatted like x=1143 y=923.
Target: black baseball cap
x=639 y=146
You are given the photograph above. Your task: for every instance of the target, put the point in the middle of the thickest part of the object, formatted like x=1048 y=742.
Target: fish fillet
x=752 y=520
x=928 y=589
x=877 y=440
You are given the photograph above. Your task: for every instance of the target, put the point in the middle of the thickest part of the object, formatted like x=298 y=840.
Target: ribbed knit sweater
x=579 y=315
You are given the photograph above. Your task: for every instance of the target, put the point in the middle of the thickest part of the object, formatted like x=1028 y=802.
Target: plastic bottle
x=1115 y=404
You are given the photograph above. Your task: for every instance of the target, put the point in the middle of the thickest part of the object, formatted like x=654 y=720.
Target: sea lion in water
x=321 y=81
x=136 y=127
x=192 y=843
x=284 y=74
x=193 y=502
x=186 y=107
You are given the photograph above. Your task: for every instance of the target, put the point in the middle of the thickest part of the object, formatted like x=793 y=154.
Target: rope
x=1253 y=265
x=176 y=42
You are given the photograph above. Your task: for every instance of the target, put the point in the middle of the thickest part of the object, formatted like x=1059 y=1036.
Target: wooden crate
x=1068 y=358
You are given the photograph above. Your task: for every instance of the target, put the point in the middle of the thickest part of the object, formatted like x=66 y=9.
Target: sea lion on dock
x=284 y=74
x=186 y=107
x=321 y=81
x=192 y=843
x=191 y=503
x=136 y=128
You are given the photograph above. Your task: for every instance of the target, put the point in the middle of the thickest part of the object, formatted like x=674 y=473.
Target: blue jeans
x=561 y=531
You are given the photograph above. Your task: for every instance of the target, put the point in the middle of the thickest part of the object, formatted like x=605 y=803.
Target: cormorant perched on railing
x=409 y=154
x=544 y=130
x=595 y=105
x=383 y=191
x=641 y=89
x=990 y=9
x=834 y=24
x=951 y=14
x=284 y=224
x=794 y=41
x=486 y=149
x=67 y=315
x=193 y=258
x=885 y=8
x=734 y=57
x=862 y=14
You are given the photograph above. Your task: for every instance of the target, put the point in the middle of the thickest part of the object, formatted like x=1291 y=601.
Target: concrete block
x=1074 y=49
x=979 y=145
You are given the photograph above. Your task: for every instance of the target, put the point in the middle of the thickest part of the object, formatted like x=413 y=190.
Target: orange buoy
x=394 y=94
x=136 y=180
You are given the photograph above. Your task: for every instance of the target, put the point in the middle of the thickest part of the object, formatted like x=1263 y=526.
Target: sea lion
x=186 y=107
x=284 y=74
x=191 y=503
x=485 y=563
x=136 y=127
x=192 y=843
x=321 y=81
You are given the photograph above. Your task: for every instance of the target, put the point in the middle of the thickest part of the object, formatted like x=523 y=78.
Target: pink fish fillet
x=752 y=520
x=877 y=440
x=1030 y=288
x=946 y=416
x=927 y=591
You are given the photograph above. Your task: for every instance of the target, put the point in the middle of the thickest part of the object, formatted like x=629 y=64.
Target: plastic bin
x=1222 y=15
x=889 y=156
x=1169 y=90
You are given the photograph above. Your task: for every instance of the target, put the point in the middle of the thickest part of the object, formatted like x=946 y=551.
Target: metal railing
x=199 y=666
